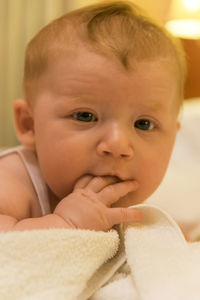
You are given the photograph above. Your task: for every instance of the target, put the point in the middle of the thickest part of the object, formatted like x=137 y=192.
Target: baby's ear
x=24 y=122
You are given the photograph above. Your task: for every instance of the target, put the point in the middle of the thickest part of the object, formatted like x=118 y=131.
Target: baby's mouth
x=115 y=177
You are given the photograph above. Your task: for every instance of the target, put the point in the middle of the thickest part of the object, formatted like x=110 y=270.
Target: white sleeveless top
x=30 y=162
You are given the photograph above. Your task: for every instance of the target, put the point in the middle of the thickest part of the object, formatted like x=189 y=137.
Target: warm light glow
x=184 y=18
x=185 y=28
x=192 y=5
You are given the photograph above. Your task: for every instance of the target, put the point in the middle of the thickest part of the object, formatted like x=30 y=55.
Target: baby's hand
x=89 y=205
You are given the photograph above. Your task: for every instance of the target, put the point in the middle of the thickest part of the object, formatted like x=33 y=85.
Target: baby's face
x=94 y=117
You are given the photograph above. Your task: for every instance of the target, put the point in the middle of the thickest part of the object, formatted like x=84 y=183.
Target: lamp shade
x=184 y=18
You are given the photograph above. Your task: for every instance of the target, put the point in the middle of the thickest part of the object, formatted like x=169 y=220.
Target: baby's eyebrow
x=155 y=106
x=75 y=98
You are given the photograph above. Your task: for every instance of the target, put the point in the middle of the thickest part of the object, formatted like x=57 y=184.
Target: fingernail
x=138 y=215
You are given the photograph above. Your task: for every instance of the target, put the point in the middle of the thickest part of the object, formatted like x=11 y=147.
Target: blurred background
x=20 y=20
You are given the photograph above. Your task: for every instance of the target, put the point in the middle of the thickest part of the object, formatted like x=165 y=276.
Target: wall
x=192 y=86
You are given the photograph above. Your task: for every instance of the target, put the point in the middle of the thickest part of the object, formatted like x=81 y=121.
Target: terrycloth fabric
x=80 y=264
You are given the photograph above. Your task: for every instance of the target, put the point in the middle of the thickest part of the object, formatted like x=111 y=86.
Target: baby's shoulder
x=11 y=169
x=16 y=191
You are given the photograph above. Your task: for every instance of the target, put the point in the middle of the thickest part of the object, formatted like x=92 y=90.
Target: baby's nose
x=116 y=143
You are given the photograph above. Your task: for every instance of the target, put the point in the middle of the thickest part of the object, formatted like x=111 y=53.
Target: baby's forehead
x=116 y=30
x=88 y=61
x=88 y=78
x=84 y=70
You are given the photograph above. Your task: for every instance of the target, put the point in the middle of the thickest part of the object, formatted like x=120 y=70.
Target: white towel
x=81 y=264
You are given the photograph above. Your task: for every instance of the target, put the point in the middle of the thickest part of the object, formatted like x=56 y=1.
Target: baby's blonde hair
x=118 y=29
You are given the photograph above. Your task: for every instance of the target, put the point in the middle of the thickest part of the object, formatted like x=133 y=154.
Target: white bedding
x=78 y=264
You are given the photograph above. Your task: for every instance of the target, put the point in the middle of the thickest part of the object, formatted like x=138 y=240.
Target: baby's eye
x=144 y=124
x=84 y=116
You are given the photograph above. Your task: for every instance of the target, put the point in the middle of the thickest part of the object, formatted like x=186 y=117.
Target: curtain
x=20 y=20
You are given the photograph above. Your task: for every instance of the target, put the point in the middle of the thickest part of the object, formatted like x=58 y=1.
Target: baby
x=103 y=87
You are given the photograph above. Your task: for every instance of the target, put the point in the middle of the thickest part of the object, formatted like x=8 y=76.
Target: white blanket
x=79 y=264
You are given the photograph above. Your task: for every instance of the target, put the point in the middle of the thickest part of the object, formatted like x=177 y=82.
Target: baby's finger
x=100 y=182
x=122 y=215
x=83 y=182
x=112 y=193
